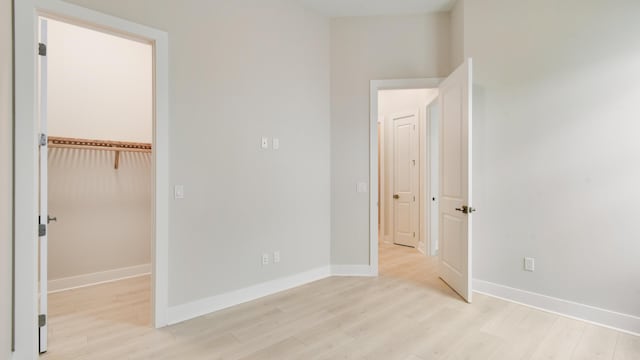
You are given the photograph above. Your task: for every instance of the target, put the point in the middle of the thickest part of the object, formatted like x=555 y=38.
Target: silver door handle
x=50 y=219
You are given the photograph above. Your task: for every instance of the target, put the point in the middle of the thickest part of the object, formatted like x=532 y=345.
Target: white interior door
x=405 y=179
x=455 y=180
x=44 y=214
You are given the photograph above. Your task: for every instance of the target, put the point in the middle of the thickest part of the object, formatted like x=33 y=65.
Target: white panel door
x=405 y=179
x=455 y=180
x=43 y=212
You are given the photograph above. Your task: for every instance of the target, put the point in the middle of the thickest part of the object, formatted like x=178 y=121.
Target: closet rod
x=72 y=143
x=108 y=145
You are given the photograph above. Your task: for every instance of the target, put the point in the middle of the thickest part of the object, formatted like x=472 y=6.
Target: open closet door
x=455 y=180
x=44 y=214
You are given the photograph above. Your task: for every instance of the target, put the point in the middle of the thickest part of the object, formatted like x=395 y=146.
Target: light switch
x=265 y=142
x=361 y=187
x=178 y=192
x=276 y=143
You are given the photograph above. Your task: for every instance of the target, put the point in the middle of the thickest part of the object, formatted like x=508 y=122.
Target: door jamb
x=374 y=87
x=26 y=14
x=429 y=171
x=381 y=170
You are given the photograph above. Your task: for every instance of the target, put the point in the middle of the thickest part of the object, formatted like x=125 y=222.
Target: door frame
x=374 y=87
x=26 y=13
x=381 y=182
x=430 y=162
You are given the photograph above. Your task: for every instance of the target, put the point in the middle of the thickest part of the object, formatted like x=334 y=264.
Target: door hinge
x=414 y=234
x=414 y=198
x=42 y=230
x=42 y=49
x=43 y=139
x=42 y=320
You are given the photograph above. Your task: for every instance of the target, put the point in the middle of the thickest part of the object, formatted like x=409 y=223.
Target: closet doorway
x=96 y=185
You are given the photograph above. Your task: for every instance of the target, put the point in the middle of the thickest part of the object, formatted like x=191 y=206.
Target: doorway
x=380 y=205
x=454 y=164
x=408 y=167
x=96 y=125
x=26 y=136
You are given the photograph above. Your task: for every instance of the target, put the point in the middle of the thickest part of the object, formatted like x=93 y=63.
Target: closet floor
x=407 y=313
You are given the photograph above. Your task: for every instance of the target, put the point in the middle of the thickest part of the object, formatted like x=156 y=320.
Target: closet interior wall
x=104 y=214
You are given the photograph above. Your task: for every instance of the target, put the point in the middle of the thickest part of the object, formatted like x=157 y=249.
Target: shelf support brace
x=117 y=162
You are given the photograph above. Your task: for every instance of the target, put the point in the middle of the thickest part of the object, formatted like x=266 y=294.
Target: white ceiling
x=338 y=8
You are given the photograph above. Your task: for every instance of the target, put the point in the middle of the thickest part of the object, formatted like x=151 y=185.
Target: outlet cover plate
x=529 y=264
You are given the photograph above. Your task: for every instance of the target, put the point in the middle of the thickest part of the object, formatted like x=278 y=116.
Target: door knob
x=396 y=196
x=50 y=219
x=466 y=209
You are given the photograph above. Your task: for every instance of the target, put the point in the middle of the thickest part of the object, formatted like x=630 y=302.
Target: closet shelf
x=108 y=145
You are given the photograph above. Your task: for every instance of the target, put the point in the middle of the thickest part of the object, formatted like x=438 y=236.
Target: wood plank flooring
x=407 y=313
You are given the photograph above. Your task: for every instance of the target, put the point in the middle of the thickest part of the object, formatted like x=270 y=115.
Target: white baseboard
x=96 y=278
x=352 y=270
x=591 y=314
x=197 y=308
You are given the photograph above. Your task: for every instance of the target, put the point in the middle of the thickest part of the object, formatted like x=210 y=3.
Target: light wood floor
x=406 y=314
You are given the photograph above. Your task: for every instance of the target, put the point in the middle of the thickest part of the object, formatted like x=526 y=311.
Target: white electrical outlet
x=276 y=257
x=529 y=264
x=276 y=143
x=265 y=259
x=265 y=142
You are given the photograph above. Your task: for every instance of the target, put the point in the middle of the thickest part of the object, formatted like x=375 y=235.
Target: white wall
x=239 y=71
x=6 y=115
x=100 y=85
x=104 y=215
x=365 y=49
x=392 y=103
x=457 y=34
x=556 y=107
